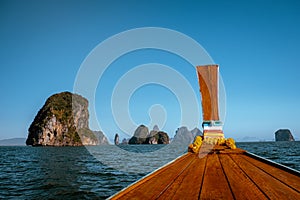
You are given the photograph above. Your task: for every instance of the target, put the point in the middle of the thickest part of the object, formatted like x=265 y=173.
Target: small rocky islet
x=143 y=136
x=283 y=135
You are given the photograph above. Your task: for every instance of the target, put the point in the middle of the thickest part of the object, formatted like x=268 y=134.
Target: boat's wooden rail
x=217 y=173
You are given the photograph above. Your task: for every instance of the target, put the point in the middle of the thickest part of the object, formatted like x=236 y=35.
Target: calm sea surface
x=75 y=173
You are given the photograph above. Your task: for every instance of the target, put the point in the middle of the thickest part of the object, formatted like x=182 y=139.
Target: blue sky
x=256 y=44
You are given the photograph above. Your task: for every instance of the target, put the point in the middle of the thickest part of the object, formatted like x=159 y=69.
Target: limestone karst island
x=143 y=136
x=63 y=121
x=283 y=135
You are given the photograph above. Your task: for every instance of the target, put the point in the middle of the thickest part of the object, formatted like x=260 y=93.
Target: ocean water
x=285 y=153
x=97 y=173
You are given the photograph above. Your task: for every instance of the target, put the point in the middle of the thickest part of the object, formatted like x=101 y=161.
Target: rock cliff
x=184 y=136
x=100 y=137
x=196 y=132
x=63 y=121
x=142 y=136
x=116 y=140
x=157 y=137
x=284 y=135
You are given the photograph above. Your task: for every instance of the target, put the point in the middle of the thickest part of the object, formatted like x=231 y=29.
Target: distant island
x=284 y=135
x=143 y=136
x=63 y=121
x=13 y=142
x=184 y=136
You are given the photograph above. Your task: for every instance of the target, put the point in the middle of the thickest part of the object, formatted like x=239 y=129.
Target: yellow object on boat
x=230 y=143
x=195 y=147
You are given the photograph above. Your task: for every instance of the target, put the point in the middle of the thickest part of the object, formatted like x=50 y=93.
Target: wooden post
x=208 y=77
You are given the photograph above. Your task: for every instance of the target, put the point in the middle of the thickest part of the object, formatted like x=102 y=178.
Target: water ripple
x=72 y=173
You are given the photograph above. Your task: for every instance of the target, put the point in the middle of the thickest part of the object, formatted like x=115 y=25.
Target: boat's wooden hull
x=217 y=173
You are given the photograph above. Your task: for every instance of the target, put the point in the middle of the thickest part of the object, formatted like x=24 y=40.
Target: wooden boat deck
x=217 y=173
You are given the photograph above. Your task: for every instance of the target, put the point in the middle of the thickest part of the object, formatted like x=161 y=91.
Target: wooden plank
x=152 y=186
x=232 y=151
x=170 y=191
x=289 y=179
x=187 y=186
x=217 y=175
x=241 y=186
x=271 y=187
x=215 y=185
x=121 y=194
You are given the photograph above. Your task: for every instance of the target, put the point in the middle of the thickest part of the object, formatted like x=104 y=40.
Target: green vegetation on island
x=63 y=121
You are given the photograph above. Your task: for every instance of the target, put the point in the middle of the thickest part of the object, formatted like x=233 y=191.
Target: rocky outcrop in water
x=157 y=137
x=116 y=140
x=155 y=128
x=63 y=121
x=284 y=135
x=100 y=137
x=142 y=136
x=184 y=136
x=196 y=132
x=125 y=141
